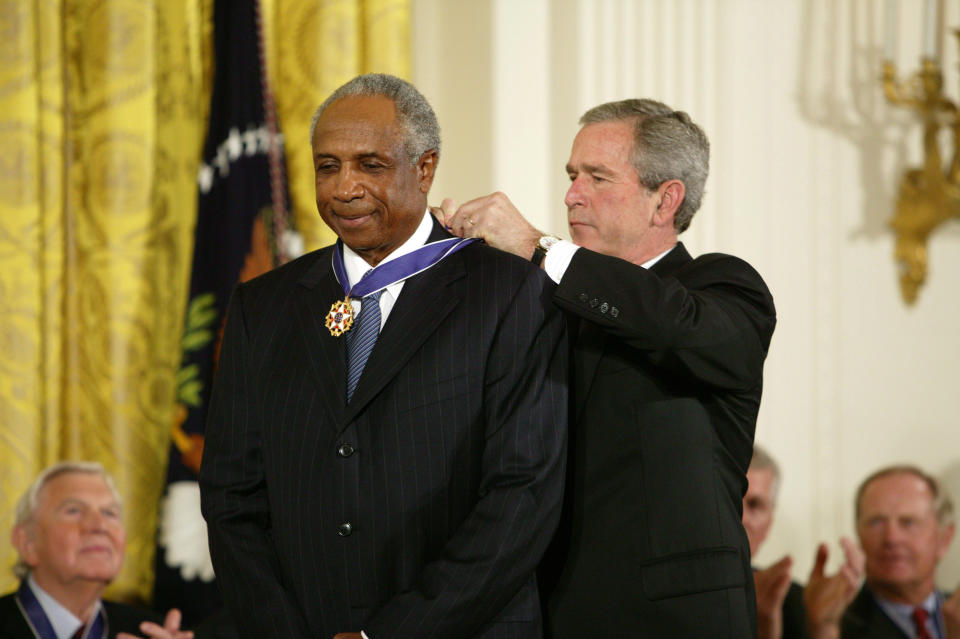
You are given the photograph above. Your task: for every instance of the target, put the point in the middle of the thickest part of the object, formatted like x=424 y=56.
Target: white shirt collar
x=356 y=266
x=649 y=263
x=64 y=622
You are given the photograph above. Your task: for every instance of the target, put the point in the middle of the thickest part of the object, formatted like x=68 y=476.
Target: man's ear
x=944 y=537
x=426 y=169
x=23 y=540
x=671 y=195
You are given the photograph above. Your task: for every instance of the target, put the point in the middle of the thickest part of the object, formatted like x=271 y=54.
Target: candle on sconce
x=930 y=34
x=890 y=34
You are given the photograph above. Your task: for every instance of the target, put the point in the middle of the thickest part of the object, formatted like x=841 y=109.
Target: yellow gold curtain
x=101 y=121
x=102 y=116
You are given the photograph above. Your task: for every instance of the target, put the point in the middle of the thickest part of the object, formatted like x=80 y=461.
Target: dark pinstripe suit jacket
x=447 y=464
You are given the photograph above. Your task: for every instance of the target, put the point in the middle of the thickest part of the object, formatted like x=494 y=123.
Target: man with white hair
x=905 y=524
x=70 y=538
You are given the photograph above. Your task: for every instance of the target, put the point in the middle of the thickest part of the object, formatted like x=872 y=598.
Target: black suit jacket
x=864 y=619
x=447 y=464
x=668 y=374
x=120 y=618
x=794 y=614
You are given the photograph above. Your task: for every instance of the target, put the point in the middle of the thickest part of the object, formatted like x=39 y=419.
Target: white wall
x=806 y=159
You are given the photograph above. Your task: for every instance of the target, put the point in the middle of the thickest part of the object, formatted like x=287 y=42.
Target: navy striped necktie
x=361 y=339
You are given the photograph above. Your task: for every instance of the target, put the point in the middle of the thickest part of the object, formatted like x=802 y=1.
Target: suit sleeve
x=711 y=322
x=234 y=498
x=493 y=553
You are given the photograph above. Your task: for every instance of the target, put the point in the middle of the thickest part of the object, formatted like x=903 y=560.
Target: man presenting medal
x=387 y=430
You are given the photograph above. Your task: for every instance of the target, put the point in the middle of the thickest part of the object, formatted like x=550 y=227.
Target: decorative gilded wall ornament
x=927 y=196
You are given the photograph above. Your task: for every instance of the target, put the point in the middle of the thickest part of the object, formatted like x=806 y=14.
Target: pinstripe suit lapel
x=327 y=354
x=424 y=302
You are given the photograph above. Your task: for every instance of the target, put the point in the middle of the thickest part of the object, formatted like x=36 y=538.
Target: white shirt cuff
x=364 y=635
x=558 y=259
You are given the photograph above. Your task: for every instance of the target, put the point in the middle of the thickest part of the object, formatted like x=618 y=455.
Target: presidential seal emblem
x=340 y=317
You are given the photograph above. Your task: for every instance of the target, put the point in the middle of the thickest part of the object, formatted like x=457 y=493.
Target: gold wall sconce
x=928 y=196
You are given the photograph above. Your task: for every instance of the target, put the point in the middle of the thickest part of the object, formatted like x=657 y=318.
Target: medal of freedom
x=340 y=317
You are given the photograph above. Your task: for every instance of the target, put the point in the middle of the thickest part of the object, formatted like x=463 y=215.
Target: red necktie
x=920 y=623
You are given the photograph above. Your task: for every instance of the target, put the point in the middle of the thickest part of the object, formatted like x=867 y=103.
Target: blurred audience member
x=70 y=538
x=905 y=524
x=785 y=610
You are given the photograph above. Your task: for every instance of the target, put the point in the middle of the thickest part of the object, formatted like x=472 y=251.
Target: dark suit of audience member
x=120 y=618
x=864 y=619
x=668 y=373
x=420 y=506
x=794 y=615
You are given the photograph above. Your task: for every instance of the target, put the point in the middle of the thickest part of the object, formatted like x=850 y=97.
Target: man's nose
x=892 y=534
x=94 y=520
x=574 y=194
x=349 y=186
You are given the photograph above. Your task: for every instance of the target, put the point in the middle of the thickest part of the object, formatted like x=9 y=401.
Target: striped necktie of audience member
x=361 y=339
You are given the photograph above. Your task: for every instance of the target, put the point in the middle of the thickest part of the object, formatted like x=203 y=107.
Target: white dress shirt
x=356 y=266
x=560 y=254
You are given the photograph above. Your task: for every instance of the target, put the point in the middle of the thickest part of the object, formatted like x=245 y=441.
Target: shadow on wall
x=839 y=90
x=948 y=573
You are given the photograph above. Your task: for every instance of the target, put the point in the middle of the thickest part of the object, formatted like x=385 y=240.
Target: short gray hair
x=414 y=113
x=762 y=460
x=942 y=504
x=667 y=145
x=27 y=504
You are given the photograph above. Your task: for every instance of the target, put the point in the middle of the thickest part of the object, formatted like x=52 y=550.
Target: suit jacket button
x=614 y=311
x=604 y=307
x=594 y=302
x=345 y=529
x=583 y=297
x=345 y=450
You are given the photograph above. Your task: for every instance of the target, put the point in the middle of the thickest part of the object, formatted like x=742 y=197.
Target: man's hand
x=348 y=635
x=825 y=598
x=493 y=218
x=951 y=614
x=169 y=630
x=771 y=585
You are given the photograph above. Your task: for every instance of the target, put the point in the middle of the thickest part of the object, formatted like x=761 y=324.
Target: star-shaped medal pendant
x=340 y=317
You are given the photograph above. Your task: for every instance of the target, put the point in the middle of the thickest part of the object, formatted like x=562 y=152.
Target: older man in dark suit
x=668 y=371
x=905 y=525
x=70 y=541
x=385 y=450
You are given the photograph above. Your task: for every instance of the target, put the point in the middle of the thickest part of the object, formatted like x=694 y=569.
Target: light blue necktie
x=361 y=339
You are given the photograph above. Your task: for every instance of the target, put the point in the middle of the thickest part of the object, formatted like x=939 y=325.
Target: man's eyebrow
x=71 y=501
x=361 y=155
x=589 y=168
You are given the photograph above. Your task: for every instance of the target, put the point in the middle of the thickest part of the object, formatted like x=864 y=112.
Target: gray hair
x=942 y=504
x=762 y=460
x=27 y=504
x=414 y=113
x=667 y=145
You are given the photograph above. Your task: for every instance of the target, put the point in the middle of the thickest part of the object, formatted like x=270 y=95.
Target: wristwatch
x=543 y=245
